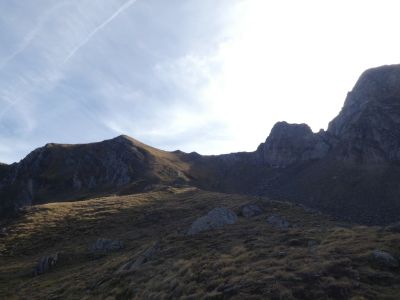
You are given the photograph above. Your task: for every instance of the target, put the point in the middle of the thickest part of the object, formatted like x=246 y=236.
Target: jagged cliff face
x=367 y=130
x=368 y=125
x=292 y=143
x=351 y=170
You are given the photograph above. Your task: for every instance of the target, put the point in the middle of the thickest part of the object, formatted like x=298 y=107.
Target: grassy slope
x=239 y=261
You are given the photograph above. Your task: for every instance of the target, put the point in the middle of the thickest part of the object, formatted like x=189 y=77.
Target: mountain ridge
x=345 y=170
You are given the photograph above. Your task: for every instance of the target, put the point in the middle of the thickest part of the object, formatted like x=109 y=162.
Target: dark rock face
x=46 y=263
x=368 y=125
x=288 y=144
x=351 y=171
x=3 y=170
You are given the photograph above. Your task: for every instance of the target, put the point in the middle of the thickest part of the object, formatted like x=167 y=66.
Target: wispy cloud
x=32 y=35
x=141 y=73
x=122 y=8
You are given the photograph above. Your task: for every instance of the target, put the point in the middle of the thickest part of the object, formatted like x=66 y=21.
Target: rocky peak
x=291 y=143
x=368 y=125
x=123 y=139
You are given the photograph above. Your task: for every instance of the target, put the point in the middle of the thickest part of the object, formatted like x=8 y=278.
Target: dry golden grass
x=247 y=260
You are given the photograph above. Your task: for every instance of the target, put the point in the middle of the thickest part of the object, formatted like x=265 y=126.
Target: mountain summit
x=350 y=171
x=368 y=125
x=58 y=172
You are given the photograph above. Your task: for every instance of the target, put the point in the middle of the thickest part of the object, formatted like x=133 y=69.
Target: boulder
x=216 y=218
x=281 y=254
x=278 y=222
x=384 y=259
x=46 y=263
x=251 y=210
x=106 y=245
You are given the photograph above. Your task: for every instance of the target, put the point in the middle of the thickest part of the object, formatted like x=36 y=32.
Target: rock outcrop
x=384 y=259
x=278 y=222
x=369 y=124
x=251 y=210
x=216 y=218
x=288 y=144
x=106 y=245
x=46 y=263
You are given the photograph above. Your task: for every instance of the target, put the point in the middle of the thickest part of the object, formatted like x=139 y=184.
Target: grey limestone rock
x=216 y=218
x=46 y=263
x=278 y=222
x=288 y=144
x=106 y=245
x=384 y=259
x=251 y=210
x=368 y=125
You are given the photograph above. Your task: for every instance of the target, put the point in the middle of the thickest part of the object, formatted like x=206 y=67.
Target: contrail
x=31 y=36
x=123 y=7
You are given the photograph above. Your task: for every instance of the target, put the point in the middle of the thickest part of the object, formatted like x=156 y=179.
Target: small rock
x=278 y=222
x=143 y=258
x=106 y=245
x=281 y=254
x=251 y=210
x=384 y=259
x=216 y=218
x=45 y=264
x=312 y=243
x=312 y=246
x=393 y=227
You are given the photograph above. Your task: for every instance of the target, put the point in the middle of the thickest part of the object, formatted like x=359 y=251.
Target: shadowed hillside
x=307 y=256
x=59 y=172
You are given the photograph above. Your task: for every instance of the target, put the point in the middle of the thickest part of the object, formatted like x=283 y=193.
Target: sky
x=211 y=76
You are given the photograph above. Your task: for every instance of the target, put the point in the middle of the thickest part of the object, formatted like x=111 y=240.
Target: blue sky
x=197 y=75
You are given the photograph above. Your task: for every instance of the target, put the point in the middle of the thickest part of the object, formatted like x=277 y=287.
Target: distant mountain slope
x=59 y=172
x=351 y=170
